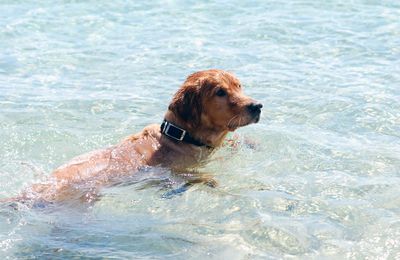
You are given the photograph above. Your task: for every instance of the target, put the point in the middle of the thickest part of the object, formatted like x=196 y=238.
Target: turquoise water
x=322 y=182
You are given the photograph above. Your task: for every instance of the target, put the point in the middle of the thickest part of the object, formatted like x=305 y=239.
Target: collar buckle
x=174 y=132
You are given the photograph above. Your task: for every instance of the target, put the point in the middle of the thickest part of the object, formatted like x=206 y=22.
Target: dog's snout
x=254 y=108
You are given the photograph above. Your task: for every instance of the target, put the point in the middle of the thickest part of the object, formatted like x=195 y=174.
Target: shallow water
x=322 y=181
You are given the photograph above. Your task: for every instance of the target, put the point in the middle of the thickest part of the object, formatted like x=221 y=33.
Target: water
x=322 y=182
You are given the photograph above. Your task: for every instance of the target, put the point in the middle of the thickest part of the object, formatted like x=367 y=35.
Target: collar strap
x=176 y=133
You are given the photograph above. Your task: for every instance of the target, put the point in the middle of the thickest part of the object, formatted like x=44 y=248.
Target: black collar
x=179 y=134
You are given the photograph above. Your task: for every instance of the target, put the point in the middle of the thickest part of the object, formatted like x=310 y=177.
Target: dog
x=208 y=106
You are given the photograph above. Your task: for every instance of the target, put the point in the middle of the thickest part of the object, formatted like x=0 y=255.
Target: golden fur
x=208 y=105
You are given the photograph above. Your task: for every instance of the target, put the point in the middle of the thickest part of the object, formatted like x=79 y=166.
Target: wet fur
x=195 y=107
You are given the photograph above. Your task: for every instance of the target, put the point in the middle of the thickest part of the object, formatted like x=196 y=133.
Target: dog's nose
x=254 y=108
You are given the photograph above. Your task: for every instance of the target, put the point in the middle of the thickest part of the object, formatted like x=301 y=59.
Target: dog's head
x=213 y=99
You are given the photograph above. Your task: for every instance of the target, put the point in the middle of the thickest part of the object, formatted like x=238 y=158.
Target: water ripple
x=321 y=180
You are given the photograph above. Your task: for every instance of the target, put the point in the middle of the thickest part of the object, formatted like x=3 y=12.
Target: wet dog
x=208 y=106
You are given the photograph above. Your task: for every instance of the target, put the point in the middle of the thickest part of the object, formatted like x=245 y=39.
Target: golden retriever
x=207 y=106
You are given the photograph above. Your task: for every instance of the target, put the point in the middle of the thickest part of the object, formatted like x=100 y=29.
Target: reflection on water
x=319 y=180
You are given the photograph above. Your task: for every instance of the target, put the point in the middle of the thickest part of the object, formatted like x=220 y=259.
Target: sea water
x=322 y=179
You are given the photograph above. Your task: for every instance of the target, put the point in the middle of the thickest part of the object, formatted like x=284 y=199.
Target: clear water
x=322 y=182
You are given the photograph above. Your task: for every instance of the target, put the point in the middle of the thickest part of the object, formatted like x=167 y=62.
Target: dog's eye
x=220 y=92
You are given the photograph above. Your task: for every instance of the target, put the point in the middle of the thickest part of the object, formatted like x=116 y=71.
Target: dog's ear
x=187 y=104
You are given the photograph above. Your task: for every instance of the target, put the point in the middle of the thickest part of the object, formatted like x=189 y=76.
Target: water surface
x=322 y=182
